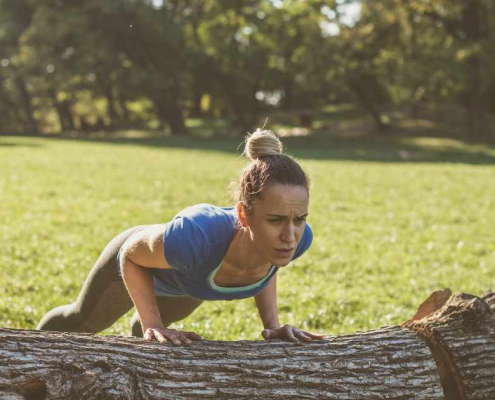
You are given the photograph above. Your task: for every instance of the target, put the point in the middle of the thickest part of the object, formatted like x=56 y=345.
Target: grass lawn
x=394 y=220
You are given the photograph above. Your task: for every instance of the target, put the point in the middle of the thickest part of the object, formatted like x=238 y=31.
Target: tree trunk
x=10 y=115
x=63 y=111
x=171 y=112
x=111 y=109
x=461 y=335
x=288 y=99
x=169 y=109
x=67 y=115
x=26 y=104
x=121 y=100
x=476 y=101
x=391 y=362
x=197 y=96
x=58 y=108
x=362 y=94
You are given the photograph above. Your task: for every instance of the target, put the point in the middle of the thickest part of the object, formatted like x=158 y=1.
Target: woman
x=205 y=253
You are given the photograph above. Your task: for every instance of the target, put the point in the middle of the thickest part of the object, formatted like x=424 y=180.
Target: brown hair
x=268 y=165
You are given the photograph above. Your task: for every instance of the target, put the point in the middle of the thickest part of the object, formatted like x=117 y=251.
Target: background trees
x=87 y=65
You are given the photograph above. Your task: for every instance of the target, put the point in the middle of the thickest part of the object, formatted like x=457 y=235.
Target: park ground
x=395 y=216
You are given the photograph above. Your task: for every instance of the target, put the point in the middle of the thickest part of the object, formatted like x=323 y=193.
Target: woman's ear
x=242 y=213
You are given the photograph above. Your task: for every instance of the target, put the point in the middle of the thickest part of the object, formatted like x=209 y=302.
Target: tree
x=16 y=103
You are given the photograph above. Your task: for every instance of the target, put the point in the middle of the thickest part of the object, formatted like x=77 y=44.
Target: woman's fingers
x=314 y=335
x=159 y=336
x=302 y=335
x=154 y=334
x=149 y=335
x=183 y=338
x=284 y=333
x=173 y=336
x=192 y=336
x=289 y=333
x=267 y=334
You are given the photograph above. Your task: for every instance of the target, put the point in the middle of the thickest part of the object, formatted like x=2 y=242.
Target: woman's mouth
x=284 y=252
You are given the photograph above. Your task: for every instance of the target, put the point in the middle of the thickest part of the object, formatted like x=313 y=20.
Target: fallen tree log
x=461 y=335
x=391 y=362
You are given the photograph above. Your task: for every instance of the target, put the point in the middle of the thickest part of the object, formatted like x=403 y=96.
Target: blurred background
x=221 y=67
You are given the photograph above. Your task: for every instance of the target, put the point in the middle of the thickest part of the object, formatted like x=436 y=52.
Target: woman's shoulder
x=195 y=232
x=205 y=211
x=304 y=243
x=216 y=223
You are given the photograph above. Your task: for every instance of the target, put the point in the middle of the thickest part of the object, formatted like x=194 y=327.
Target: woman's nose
x=288 y=234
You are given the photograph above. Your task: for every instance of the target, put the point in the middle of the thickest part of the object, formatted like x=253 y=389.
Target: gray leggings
x=104 y=299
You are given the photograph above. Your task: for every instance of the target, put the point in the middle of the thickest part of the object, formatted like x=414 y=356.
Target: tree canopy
x=86 y=64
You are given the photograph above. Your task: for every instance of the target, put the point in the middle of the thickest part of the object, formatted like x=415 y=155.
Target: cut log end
x=455 y=333
x=433 y=303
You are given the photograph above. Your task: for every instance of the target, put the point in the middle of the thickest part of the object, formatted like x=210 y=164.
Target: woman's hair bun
x=262 y=143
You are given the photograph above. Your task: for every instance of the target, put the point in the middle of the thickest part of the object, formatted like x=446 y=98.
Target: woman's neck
x=241 y=253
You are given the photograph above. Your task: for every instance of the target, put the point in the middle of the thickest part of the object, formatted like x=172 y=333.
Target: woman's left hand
x=290 y=333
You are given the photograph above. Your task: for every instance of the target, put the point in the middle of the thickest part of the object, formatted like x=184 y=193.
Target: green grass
x=394 y=220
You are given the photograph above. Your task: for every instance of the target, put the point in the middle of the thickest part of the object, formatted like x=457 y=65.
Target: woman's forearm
x=139 y=283
x=266 y=302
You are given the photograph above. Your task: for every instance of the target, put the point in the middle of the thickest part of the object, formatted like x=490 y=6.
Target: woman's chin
x=280 y=262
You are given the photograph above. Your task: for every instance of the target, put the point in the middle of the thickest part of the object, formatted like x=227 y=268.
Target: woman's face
x=276 y=223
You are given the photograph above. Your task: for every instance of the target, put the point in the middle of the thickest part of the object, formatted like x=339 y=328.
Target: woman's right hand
x=164 y=335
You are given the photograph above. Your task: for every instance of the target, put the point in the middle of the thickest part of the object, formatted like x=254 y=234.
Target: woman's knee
x=70 y=318
x=172 y=309
x=66 y=318
x=175 y=309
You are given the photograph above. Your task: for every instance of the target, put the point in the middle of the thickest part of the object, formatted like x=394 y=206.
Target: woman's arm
x=266 y=302
x=139 y=284
x=142 y=251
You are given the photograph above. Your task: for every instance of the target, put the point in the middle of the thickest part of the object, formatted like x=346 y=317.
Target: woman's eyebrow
x=285 y=216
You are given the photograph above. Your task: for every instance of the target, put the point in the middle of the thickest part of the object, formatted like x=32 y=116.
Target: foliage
x=84 y=65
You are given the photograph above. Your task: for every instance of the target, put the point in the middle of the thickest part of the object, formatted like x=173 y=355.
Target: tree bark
x=391 y=362
x=461 y=335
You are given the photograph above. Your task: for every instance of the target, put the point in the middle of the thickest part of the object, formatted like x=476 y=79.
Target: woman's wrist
x=274 y=325
x=152 y=325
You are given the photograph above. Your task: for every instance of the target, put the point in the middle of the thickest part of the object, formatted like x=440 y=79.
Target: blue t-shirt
x=195 y=243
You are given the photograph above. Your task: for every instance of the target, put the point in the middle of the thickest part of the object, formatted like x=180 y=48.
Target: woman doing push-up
x=204 y=253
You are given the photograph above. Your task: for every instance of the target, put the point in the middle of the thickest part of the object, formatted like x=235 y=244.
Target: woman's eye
x=275 y=220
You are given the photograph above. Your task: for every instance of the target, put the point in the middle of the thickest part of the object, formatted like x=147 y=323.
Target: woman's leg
x=172 y=309
x=102 y=300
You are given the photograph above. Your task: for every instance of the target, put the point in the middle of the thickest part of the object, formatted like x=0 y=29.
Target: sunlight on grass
x=448 y=144
x=336 y=108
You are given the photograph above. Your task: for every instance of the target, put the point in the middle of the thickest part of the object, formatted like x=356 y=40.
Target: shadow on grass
x=342 y=132
x=392 y=149
x=20 y=145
